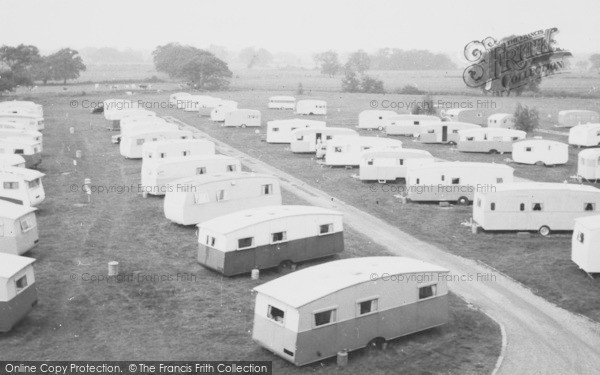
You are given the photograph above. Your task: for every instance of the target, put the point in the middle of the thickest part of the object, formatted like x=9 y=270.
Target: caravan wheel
x=375 y=344
x=380 y=128
x=493 y=151
x=285 y=266
x=540 y=163
x=243 y=125
x=544 y=230
x=452 y=143
x=463 y=201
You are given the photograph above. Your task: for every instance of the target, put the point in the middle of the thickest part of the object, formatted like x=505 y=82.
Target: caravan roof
x=328 y=278
x=25 y=173
x=202 y=179
x=241 y=219
x=386 y=152
x=14 y=211
x=463 y=164
x=538 y=186
x=11 y=264
x=590 y=222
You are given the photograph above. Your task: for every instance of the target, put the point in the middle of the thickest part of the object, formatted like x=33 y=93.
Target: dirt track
x=541 y=337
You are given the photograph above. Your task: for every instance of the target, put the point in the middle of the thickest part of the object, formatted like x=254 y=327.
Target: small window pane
x=326 y=228
x=245 y=242
x=275 y=314
x=427 y=291
x=324 y=317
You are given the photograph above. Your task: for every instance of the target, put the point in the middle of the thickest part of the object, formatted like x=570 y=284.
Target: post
x=255 y=274
x=342 y=358
x=113 y=268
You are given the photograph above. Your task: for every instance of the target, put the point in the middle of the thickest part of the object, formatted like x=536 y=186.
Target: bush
x=526 y=119
x=366 y=84
x=300 y=89
x=425 y=107
x=410 y=90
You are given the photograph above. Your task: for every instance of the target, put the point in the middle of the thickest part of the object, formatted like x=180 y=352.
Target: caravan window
x=325 y=317
x=427 y=291
x=328 y=137
x=222 y=195
x=186 y=153
x=514 y=139
x=275 y=129
x=416 y=122
x=580 y=237
x=201 y=197
x=210 y=241
x=470 y=138
x=537 y=207
x=231 y=168
x=367 y=307
x=589 y=207
x=163 y=155
x=26 y=224
x=278 y=237
x=337 y=149
x=19 y=151
x=443 y=178
x=11 y=185
x=478 y=202
x=267 y=189
x=201 y=170
x=245 y=242
x=522 y=207
x=455 y=181
x=528 y=149
x=275 y=314
x=493 y=206
x=21 y=283
x=499 y=180
x=140 y=142
x=401 y=161
x=326 y=228
x=370 y=162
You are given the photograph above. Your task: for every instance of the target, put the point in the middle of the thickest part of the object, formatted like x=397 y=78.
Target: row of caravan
x=21 y=123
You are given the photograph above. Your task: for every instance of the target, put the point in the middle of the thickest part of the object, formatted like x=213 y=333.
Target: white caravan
x=176 y=148
x=18 y=228
x=588 y=164
x=31 y=135
x=280 y=131
x=30 y=150
x=470 y=115
x=33 y=123
x=388 y=165
x=132 y=143
x=443 y=132
x=311 y=107
x=11 y=160
x=488 y=140
x=454 y=181
x=585 y=135
x=21 y=186
x=159 y=176
x=409 y=124
x=570 y=118
x=540 y=152
x=242 y=118
x=282 y=102
x=585 y=243
x=177 y=97
x=19 y=106
x=501 y=120
x=535 y=206
x=374 y=119
x=220 y=111
x=311 y=140
x=347 y=151
x=204 y=197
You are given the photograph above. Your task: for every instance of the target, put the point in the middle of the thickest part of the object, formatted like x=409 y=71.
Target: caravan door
x=445 y=133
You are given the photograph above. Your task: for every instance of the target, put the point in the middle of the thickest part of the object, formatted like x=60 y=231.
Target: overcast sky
x=295 y=26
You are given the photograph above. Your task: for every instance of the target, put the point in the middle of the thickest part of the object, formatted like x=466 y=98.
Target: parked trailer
x=150 y=123
x=31 y=135
x=11 y=160
x=454 y=181
x=22 y=186
x=29 y=122
x=535 y=206
x=19 y=105
x=175 y=98
x=133 y=116
x=501 y=120
x=206 y=106
x=282 y=102
x=374 y=119
x=18 y=228
x=208 y=196
x=132 y=143
x=540 y=152
x=409 y=124
x=18 y=294
x=176 y=148
x=220 y=111
x=585 y=135
x=339 y=306
x=388 y=165
x=158 y=177
x=347 y=150
x=585 y=243
x=588 y=164
x=470 y=115
x=242 y=118
x=443 y=132
x=270 y=236
x=310 y=140
x=113 y=108
x=195 y=102
x=486 y=140
x=575 y=117
x=30 y=150
x=280 y=131
x=311 y=107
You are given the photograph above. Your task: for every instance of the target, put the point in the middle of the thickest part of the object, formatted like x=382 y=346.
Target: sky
x=304 y=26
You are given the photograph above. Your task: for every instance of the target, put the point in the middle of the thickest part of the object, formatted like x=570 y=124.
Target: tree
x=300 y=89
x=42 y=70
x=7 y=81
x=359 y=61
x=425 y=107
x=526 y=119
x=595 y=61
x=65 y=64
x=200 y=68
x=328 y=62
x=350 y=82
x=371 y=85
x=252 y=57
x=19 y=61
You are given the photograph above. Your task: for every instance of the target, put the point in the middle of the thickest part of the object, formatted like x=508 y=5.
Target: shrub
x=526 y=119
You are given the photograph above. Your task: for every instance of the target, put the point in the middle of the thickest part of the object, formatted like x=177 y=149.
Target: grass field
x=194 y=313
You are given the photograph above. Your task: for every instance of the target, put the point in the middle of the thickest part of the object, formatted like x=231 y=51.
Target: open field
x=542 y=264
x=195 y=313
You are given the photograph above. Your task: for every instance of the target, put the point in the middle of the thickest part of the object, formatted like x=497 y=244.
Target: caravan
x=176 y=98
x=535 y=206
x=585 y=243
x=30 y=135
x=18 y=228
x=18 y=294
x=22 y=107
x=588 y=164
x=158 y=177
x=311 y=140
x=374 y=119
x=409 y=124
x=574 y=117
x=585 y=135
x=220 y=111
x=206 y=106
x=280 y=131
x=28 y=122
x=388 y=165
x=242 y=118
x=270 y=236
x=282 y=102
x=454 y=181
x=347 y=150
x=176 y=148
x=443 y=132
x=540 y=152
x=205 y=197
x=21 y=186
x=501 y=120
x=132 y=143
x=30 y=150
x=486 y=140
x=348 y=304
x=311 y=107
x=11 y=160
x=470 y=115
